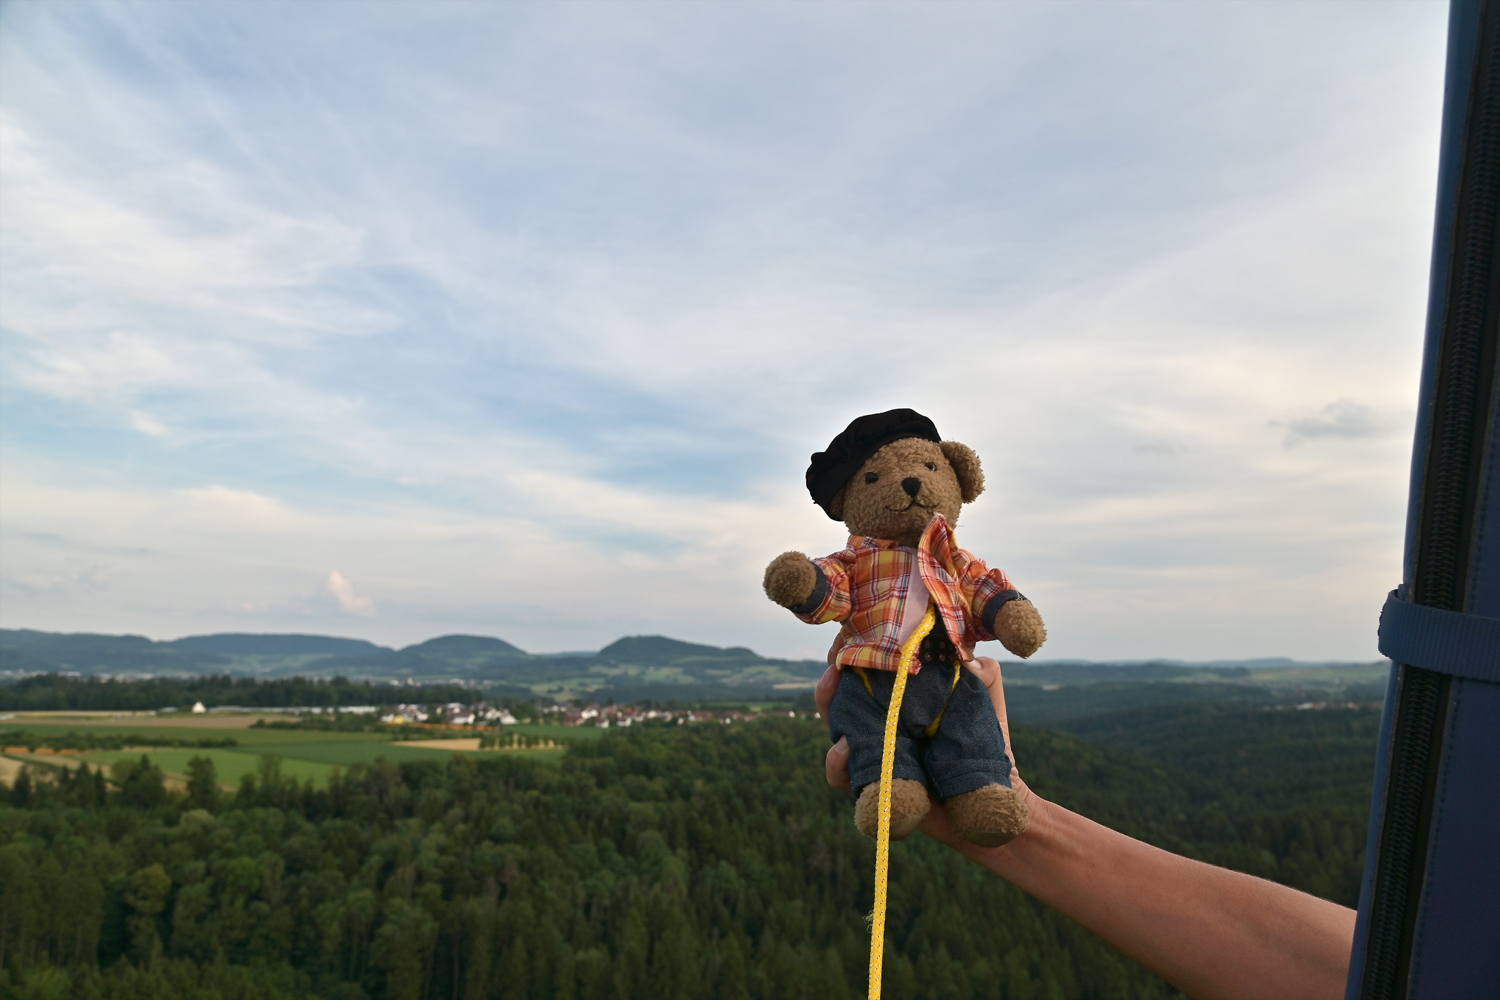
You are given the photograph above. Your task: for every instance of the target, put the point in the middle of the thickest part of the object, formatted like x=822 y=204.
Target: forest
x=661 y=861
x=54 y=692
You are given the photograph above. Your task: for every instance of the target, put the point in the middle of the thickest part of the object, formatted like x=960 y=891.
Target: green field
x=231 y=765
x=306 y=754
x=1332 y=675
x=147 y=735
x=265 y=735
x=303 y=761
x=346 y=754
x=552 y=731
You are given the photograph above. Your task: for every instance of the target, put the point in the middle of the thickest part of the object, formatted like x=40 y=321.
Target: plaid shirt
x=867 y=585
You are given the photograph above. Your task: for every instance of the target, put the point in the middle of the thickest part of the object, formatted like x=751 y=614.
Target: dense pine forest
x=673 y=862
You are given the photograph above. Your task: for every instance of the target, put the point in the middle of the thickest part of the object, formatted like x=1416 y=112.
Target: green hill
x=659 y=668
x=254 y=644
x=631 y=667
x=15 y=638
x=464 y=646
x=87 y=653
x=660 y=649
x=1041 y=706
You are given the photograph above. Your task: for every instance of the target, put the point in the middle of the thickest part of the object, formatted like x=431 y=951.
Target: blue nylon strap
x=1445 y=642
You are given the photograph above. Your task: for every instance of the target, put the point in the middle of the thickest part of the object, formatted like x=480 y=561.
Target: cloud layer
x=526 y=317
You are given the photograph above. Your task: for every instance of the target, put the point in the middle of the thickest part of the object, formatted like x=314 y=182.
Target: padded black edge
x=820 y=591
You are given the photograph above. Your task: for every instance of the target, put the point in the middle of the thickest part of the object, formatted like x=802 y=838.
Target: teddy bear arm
x=1018 y=626
x=790 y=579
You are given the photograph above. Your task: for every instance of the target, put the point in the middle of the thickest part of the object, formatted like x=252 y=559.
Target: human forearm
x=1214 y=933
x=1211 y=932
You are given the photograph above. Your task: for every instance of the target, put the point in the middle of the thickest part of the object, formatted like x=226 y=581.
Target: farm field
x=213 y=728
x=145 y=735
x=230 y=765
x=307 y=755
x=169 y=720
x=1325 y=675
x=553 y=731
x=345 y=753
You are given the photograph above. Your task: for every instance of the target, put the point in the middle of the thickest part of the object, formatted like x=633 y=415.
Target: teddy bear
x=898 y=487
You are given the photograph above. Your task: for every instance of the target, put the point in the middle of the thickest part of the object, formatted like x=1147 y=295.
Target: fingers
x=833 y=651
x=988 y=670
x=836 y=765
x=823 y=694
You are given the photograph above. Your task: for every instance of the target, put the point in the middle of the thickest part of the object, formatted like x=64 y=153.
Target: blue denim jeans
x=966 y=752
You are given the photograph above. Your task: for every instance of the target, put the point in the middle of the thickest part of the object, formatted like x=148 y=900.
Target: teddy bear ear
x=836 y=505
x=966 y=465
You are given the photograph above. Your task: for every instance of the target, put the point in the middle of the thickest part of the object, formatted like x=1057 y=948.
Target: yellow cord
x=887 y=771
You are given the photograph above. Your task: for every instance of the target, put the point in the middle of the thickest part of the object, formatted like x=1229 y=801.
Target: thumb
x=836 y=765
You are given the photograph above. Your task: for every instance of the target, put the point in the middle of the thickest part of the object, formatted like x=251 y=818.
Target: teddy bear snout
x=912 y=485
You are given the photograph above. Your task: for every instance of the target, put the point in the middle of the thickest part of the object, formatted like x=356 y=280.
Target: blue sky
x=392 y=320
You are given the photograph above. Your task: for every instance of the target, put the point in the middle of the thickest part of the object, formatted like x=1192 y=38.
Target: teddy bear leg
x=969 y=750
x=909 y=806
x=988 y=816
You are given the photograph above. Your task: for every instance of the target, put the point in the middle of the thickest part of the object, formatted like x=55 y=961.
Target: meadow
x=311 y=755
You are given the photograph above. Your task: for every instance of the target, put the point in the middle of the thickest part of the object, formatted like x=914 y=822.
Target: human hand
x=1209 y=931
x=836 y=763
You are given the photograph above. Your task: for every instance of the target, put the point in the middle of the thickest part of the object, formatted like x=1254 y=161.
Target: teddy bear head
x=888 y=473
x=900 y=487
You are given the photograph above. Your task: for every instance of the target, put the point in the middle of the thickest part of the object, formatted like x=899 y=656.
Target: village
x=484 y=715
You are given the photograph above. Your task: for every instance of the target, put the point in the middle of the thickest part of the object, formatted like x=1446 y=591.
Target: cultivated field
x=305 y=754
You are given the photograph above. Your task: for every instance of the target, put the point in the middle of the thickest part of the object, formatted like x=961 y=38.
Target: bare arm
x=1215 y=934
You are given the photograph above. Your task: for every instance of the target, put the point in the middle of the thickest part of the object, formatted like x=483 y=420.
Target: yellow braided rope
x=887 y=771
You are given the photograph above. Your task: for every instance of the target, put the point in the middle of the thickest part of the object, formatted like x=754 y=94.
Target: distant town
x=455 y=715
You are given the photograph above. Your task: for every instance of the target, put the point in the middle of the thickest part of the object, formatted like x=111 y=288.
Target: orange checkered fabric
x=867 y=585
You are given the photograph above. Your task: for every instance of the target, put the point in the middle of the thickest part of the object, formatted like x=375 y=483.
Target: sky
x=392 y=320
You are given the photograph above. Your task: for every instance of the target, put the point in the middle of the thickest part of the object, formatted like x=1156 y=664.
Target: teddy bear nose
x=912 y=485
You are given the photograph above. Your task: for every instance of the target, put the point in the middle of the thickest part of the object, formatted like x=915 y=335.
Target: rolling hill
x=656 y=667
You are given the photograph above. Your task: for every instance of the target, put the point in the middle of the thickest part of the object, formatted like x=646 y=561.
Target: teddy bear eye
x=871 y=477
x=932 y=466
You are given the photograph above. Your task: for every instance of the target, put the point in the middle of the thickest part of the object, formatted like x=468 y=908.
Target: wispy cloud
x=147 y=424
x=343 y=592
x=61 y=579
x=1343 y=418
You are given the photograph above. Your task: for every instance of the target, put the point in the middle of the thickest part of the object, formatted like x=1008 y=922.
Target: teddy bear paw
x=988 y=816
x=790 y=579
x=1019 y=627
x=909 y=805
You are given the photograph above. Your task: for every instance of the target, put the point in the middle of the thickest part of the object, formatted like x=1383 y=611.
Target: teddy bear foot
x=909 y=805
x=988 y=816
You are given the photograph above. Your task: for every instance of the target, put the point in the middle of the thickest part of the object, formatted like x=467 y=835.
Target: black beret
x=864 y=436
